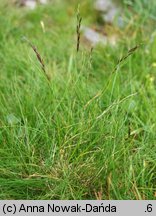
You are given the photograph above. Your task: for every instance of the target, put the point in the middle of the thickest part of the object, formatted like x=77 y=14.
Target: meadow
x=77 y=125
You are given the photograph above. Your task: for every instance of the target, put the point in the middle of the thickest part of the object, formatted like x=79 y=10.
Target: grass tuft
x=89 y=133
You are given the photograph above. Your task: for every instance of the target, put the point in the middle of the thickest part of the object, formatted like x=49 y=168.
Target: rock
x=43 y=1
x=103 y=5
x=110 y=15
x=108 y=11
x=94 y=37
x=32 y=3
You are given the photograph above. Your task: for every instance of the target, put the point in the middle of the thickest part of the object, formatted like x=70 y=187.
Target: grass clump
x=86 y=133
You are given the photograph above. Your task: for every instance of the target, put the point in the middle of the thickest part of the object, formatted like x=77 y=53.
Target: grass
x=88 y=133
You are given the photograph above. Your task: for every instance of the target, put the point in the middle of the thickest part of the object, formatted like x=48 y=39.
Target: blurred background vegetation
x=89 y=131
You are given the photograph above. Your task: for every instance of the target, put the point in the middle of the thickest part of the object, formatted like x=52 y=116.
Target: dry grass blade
x=108 y=183
x=99 y=194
